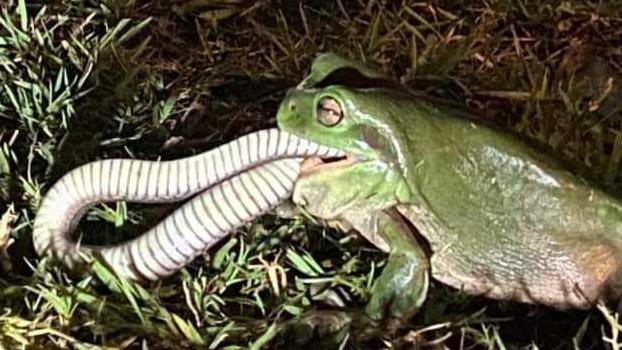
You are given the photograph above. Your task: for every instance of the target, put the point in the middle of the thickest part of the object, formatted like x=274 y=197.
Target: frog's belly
x=553 y=281
x=535 y=271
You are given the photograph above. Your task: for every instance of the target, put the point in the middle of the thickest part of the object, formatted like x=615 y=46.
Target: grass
x=83 y=80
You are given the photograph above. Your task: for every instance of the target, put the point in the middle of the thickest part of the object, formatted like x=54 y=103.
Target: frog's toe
x=401 y=289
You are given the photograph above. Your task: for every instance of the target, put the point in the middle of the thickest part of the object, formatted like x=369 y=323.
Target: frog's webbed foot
x=400 y=290
x=402 y=287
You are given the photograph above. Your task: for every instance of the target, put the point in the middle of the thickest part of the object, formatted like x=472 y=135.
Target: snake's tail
x=261 y=163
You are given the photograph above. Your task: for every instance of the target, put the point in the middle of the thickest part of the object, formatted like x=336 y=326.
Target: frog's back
x=507 y=221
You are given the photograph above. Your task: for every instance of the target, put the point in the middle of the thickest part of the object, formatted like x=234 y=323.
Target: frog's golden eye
x=329 y=111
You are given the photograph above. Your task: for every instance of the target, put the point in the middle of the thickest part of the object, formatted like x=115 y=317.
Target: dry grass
x=83 y=80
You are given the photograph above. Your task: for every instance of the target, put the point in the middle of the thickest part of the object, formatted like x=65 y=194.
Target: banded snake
x=231 y=184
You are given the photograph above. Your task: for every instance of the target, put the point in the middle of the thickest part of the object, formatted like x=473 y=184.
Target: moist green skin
x=500 y=218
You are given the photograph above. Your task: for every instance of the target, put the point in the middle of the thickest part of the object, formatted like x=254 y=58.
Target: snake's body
x=236 y=182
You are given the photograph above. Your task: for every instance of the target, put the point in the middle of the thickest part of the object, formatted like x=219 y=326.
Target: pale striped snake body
x=235 y=183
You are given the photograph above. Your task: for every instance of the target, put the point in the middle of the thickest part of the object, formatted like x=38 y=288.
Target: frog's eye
x=329 y=111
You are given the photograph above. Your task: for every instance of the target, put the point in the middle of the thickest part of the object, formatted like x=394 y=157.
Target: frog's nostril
x=292 y=106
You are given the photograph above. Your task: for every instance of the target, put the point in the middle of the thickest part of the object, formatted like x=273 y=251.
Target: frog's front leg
x=397 y=294
x=402 y=287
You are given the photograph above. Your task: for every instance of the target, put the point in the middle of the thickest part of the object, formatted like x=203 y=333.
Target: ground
x=83 y=80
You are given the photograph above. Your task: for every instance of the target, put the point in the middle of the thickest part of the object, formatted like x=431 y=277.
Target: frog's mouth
x=313 y=165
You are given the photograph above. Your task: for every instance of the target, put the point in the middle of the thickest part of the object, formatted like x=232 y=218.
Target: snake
x=224 y=189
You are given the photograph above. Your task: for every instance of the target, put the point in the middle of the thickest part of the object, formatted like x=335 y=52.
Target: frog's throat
x=313 y=165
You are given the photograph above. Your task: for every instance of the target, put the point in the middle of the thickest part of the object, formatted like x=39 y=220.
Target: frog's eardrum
x=237 y=182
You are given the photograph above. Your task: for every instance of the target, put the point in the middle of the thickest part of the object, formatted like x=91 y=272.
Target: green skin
x=499 y=218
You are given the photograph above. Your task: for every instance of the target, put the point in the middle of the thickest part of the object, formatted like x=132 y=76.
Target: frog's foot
x=400 y=290
x=328 y=329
